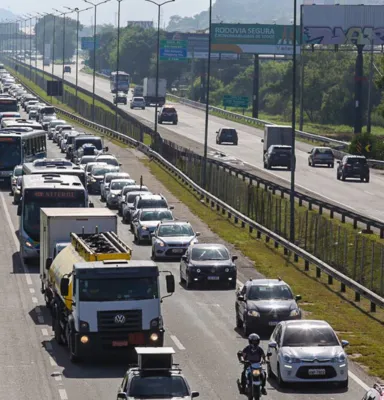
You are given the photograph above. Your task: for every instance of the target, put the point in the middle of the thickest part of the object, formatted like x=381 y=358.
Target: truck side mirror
x=234 y=258
x=48 y=263
x=122 y=396
x=262 y=140
x=106 y=148
x=19 y=209
x=64 y=287
x=91 y=205
x=170 y=282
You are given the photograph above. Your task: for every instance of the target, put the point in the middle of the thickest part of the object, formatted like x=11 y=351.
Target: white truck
x=56 y=225
x=149 y=91
x=276 y=135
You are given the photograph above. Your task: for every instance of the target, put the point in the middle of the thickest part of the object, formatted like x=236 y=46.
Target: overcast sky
x=137 y=10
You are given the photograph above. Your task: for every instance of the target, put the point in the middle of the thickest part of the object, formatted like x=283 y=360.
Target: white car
x=115 y=188
x=138 y=102
x=307 y=351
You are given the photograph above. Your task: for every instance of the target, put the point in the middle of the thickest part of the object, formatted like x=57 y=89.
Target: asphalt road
x=199 y=325
x=365 y=198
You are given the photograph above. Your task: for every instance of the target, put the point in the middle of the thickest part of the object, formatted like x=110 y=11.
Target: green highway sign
x=173 y=50
x=235 y=101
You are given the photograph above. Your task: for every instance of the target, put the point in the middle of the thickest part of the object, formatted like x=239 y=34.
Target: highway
x=199 y=325
x=365 y=198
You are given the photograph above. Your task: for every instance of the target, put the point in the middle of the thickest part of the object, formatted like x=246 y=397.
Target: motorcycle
x=254 y=377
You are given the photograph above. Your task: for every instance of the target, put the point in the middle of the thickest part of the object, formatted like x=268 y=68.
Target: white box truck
x=276 y=135
x=149 y=91
x=57 y=224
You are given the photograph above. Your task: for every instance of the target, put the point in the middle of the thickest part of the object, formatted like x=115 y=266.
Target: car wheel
x=72 y=357
x=239 y=322
x=313 y=165
x=280 y=381
x=232 y=284
x=367 y=179
x=269 y=371
x=188 y=283
x=153 y=255
x=337 y=176
x=182 y=280
x=342 y=176
x=309 y=163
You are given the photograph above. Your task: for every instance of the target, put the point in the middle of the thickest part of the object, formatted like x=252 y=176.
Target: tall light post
x=43 y=15
x=204 y=177
x=53 y=46
x=293 y=142
x=95 y=5
x=77 y=44
x=117 y=59
x=159 y=5
x=30 y=45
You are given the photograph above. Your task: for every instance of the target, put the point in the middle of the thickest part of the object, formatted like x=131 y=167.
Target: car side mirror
x=197 y=234
x=184 y=258
x=195 y=394
x=106 y=148
x=122 y=396
x=19 y=209
x=240 y=297
x=272 y=345
x=234 y=258
x=153 y=234
x=170 y=283
x=269 y=354
x=171 y=207
x=48 y=263
x=309 y=152
x=217 y=131
x=64 y=287
x=298 y=297
x=344 y=343
x=91 y=205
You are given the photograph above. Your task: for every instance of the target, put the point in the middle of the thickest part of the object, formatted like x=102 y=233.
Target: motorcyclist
x=254 y=354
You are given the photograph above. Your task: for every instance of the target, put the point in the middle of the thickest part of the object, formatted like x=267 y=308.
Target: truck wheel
x=71 y=347
x=57 y=329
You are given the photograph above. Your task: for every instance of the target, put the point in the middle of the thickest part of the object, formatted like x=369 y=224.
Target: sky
x=131 y=10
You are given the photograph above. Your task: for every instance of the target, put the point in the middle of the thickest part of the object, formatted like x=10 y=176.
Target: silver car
x=172 y=239
x=52 y=126
x=114 y=189
x=321 y=156
x=138 y=102
x=307 y=351
x=126 y=189
x=85 y=160
x=146 y=221
x=17 y=171
x=104 y=187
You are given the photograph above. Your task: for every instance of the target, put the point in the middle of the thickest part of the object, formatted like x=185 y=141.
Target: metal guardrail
x=239 y=218
x=301 y=197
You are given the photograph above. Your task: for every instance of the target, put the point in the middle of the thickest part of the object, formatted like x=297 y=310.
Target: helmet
x=254 y=339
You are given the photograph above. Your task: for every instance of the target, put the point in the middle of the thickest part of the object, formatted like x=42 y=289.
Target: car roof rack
x=155 y=358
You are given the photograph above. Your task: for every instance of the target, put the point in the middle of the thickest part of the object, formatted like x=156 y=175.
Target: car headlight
x=113 y=196
x=253 y=313
x=340 y=358
x=194 y=241
x=290 y=360
x=143 y=228
x=160 y=243
x=29 y=244
x=294 y=313
x=93 y=180
x=256 y=372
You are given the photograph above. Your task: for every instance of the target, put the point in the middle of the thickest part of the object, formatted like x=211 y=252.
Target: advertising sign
x=141 y=24
x=350 y=24
x=173 y=50
x=87 y=43
x=254 y=39
x=235 y=101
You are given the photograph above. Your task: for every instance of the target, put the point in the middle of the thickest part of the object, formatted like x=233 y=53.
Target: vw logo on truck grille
x=119 y=319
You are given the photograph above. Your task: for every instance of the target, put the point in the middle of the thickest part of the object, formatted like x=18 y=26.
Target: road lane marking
x=52 y=361
x=31 y=290
x=45 y=333
x=34 y=300
x=63 y=394
x=177 y=342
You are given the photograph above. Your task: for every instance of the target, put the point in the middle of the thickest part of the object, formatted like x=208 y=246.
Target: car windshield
x=156 y=216
x=53 y=124
x=229 y=131
x=87 y=159
x=169 y=110
x=175 y=230
x=108 y=160
x=158 y=387
x=18 y=171
x=281 y=150
x=10 y=152
x=209 y=253
x=144 y=203
x=324 y=151
x=309 y=336
x=103 y=170
x=132 y=188
x=113 y=289
x=138 y=99
x=89 y=140
x=118 y=185
x=269 y=292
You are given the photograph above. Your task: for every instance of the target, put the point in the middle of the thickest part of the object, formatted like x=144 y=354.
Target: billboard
x=197 y=45
x=254 y=39
x=87 y=43
x=350 y=24
x=141 y=24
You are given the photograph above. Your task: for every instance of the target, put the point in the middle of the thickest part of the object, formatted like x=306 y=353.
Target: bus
x=44 y=190
x=21 y=123
x=8 y=104
x=19 y=147
x=56 y=167
x=120 y=84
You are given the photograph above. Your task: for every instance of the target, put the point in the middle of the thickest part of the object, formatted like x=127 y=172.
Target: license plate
x=177 y=250
x=316 y=372
x=213 y=278
x=120 y=343
x=272 y=323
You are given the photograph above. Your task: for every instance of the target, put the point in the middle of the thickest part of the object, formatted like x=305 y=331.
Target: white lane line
x=177 y=342
x=45 y=333
x=14 y=237
x=58 y=378
x=63 y=394
x=350 y=374
x=34 y=300
x=52 y=361
x=40 y=319
x=32 y=290
x=372 y=194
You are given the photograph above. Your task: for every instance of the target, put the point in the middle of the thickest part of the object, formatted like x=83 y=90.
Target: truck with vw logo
x=102 y=302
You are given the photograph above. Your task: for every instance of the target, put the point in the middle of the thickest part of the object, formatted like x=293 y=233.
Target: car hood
x=115 y=192
x=177 y=239
x=98 y=177
x=212 y=263
x=268 y=305
x=310 y=354
x=149 y=224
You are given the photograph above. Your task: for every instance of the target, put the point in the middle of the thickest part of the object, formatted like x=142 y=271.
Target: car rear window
x=356 y=160
x=152 y=204
x=281 y=149
x=324 y=151
x=169 y=110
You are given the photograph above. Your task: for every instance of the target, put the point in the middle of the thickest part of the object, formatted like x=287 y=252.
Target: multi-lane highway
x=365 y=198
x=199 y=325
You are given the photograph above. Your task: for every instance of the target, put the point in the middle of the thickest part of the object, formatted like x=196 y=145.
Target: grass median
x=352 y=322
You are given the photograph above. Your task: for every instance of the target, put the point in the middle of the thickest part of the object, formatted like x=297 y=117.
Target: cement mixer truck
x=104 y=303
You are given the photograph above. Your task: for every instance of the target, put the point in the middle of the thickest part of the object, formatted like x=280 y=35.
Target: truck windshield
x=118 y=289
x=159 y=387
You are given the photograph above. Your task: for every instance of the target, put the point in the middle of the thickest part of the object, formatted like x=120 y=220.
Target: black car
x=262 y=303
x=67 y=69
x=203 y=263
x=227 y=135
x=376 y=393
x=353 y=167
x=167 y=114
x=278 y=156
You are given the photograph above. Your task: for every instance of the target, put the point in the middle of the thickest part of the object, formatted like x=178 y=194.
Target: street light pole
x=30 y=46
x=204 y=177
x=94 y=54
x=53 y=46
x=293 y=141
x=43 y=15
x=159 y=5
x=117 y=60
